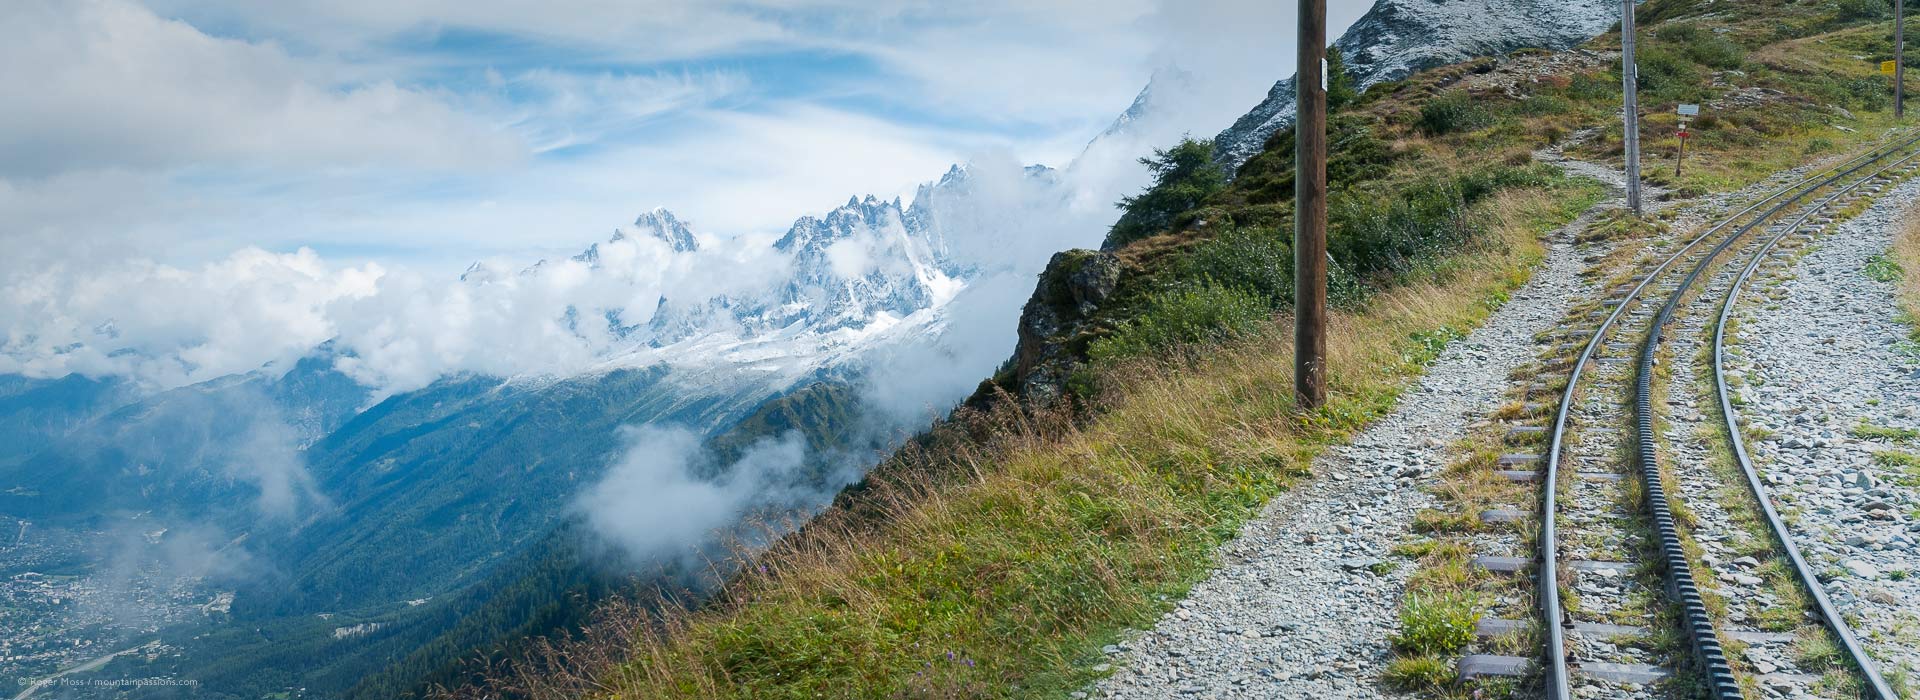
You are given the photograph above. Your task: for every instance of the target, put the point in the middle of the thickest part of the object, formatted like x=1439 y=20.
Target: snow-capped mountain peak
x=662 y=224
x=1166 y=83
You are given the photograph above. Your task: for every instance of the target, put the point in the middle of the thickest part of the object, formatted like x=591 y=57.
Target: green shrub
x=1869 y=94
x=1355 y=153
x=1183 y=178
x=1254 y=260
x=1863 y=9
x=1341 y=90
x=1881 y=268
x=1704 y=47
x=1717 y=52
x=1373 y=236
x=1451 y=112
x=1666 y=76
x=1594 y=86
x=1436 y=624
x=1195 y=314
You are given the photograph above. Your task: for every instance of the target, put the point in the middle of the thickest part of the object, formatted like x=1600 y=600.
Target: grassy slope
x=1008 y=584
x=1001 y=569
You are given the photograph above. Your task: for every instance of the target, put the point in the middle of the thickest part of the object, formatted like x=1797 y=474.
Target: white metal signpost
x=1687 y=111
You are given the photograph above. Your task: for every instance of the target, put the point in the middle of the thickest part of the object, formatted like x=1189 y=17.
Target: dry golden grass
x=1906 y=254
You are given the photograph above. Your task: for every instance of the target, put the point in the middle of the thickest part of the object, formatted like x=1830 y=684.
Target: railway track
x=1829 y=615
x=1620 y=611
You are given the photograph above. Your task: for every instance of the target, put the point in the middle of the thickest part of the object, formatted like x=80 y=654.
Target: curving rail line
x=1700 y=629
x=1822 y=603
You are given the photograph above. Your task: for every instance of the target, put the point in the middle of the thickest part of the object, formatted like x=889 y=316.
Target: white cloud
x=744 y=173
x=759 y=171
x=269 y=458
x=664 y=492
x=1000 y=60
x=106 y=83
x=172 y=326
x=560 y=109
x=635 y=30
x=1062 y=64
x=398 y=329
x=224 y=155
x=852 y=257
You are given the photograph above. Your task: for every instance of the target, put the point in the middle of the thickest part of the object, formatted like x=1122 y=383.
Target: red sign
x=1683 y=134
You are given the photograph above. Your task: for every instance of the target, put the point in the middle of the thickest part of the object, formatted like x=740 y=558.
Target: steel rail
x=1549 y=590
x=1722 y=683
x=1824 y=605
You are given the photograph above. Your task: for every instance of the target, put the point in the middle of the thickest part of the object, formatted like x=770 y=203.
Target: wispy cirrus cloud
x=556 y=109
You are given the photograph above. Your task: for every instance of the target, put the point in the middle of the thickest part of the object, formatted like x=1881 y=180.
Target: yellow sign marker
x=1886 y=67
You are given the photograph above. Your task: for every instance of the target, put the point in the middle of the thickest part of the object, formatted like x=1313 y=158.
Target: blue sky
x=433 y=132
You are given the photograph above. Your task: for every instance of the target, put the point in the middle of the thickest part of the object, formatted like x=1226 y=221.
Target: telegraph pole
x=1630 y=105
x=1310 y=210
x=1899 y=59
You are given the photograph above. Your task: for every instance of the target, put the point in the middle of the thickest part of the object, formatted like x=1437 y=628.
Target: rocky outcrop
x=1055 y=323
x=1398 y=38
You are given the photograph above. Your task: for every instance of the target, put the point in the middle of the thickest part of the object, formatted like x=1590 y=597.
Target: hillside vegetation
x=996 y=555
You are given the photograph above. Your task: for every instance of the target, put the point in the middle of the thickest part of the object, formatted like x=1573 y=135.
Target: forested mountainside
x=356 y=533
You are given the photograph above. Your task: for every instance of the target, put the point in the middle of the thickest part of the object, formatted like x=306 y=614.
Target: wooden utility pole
x=1310 y=210
x=1899 y=59
x=1630 y=105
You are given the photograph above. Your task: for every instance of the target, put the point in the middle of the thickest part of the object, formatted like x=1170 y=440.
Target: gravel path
x=1821 y=357
x=1296 y=609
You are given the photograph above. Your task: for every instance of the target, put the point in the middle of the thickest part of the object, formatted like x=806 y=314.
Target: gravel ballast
x=1820 y=354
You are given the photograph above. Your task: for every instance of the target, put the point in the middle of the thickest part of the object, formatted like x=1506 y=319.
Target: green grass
x=1436 y=624
x=1869 y=431
x=1204 y=313
x=1881 y=268
x=1817 y=652
x=1420 y=673
x=1824 y=60
x=1906 y=465
x=1453 y=112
